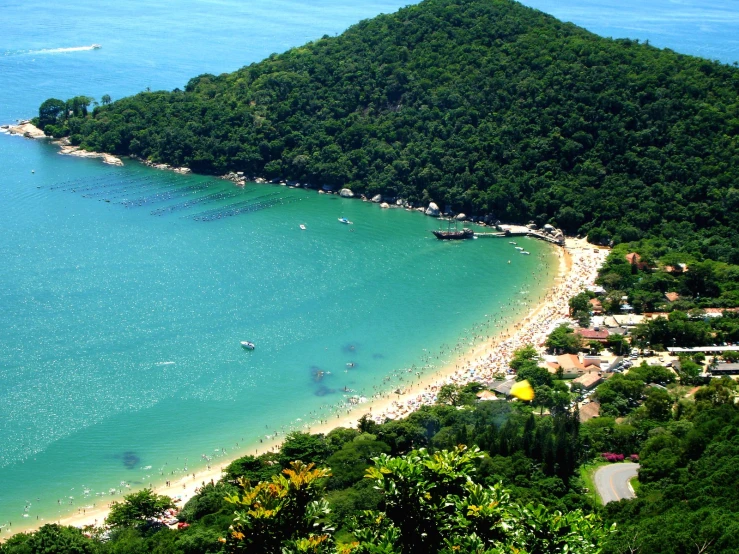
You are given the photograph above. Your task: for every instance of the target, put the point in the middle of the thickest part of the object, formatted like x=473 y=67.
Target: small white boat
x=519 y=248
x=246 y=345
x=303 y=227
x=524 y=252
x=512 y=242
x=344 y=220
x=96 y=46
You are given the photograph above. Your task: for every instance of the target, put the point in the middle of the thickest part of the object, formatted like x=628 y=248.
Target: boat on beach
x=247 y=345
x=345 y=221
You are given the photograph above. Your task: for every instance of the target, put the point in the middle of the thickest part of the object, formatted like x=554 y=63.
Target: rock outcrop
x=433 y=210
x=346 y=193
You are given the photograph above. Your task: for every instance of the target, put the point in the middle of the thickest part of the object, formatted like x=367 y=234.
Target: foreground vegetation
x=485 y=106
x=408 y=486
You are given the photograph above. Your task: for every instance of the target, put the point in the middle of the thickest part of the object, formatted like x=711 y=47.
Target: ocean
x=125 y=291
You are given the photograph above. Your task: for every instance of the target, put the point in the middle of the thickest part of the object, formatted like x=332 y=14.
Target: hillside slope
x=482 y=105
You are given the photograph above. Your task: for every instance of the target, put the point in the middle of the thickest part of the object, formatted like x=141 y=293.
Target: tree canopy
x=485 y=105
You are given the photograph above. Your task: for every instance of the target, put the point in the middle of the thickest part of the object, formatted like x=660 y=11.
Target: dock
x=521 y=231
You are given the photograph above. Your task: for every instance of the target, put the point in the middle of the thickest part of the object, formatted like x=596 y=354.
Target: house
x=679 y=268
x=597 y=334
x=595 y=306
x=571 y=366
x=589 y=380
x=503 y=387
x=589 y=411
x=570 y=362
x=635 y=259
x=486 y=395
x=672 y=296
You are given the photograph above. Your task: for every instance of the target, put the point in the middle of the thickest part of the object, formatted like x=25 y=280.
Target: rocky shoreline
x=239 y=178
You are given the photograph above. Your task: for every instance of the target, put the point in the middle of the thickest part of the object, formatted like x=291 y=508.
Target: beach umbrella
x=523 y=391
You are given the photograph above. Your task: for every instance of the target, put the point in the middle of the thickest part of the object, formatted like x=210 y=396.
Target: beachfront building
x=598 y=334
x=572 y=366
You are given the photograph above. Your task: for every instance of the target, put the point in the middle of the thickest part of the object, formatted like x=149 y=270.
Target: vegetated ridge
x=484 y=106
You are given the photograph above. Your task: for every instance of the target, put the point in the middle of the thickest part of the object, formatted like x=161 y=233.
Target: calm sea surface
x=124 y=292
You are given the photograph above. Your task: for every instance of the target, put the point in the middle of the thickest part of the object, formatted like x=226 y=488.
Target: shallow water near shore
x=124 y=292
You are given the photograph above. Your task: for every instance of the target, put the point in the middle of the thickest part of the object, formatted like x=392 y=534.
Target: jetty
x=547 y=233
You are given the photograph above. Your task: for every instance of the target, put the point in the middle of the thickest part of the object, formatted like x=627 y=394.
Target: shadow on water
x=350 y=348
x=317 y=373
x=378 y=356
x=323 y=390
x=130 y=459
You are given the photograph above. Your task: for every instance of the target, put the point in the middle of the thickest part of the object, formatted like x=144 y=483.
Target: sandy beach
x=578 y=266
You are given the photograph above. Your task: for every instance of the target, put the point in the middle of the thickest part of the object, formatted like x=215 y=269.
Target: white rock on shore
x=377 y=198
x=75 y=151
x=433 y=210
x=346 y=193
x=26 y=129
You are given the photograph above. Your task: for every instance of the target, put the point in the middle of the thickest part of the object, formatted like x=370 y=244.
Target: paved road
x=612 y=481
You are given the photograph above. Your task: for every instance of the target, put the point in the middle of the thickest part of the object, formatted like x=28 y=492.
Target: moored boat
x=344 y=220
x=247 y=345
x=524 y=252
x=454 y=235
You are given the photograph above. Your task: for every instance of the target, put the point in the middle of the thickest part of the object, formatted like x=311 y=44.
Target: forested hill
x=484 y=105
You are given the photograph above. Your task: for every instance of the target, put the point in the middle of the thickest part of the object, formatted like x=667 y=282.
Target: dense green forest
x=484 y=106
x=408 y=486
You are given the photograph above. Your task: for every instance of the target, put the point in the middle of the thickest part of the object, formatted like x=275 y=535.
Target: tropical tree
x=281 y=515
x=138 y=508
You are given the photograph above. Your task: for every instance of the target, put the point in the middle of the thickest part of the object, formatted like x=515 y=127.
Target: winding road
x=612 y=481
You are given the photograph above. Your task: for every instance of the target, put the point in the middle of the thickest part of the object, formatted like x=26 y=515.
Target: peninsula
x=487 y=107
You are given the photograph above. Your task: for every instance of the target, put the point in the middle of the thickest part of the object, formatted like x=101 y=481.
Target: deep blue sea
x=124 y=292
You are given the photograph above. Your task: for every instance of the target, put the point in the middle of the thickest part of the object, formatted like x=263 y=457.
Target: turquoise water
x=124 y=292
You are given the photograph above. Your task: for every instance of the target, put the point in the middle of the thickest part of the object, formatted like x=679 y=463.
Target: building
x=635 y=259
x=589 y=411
x=503 y=387
x=598 y=334
x=595 y=306
x=589 y=380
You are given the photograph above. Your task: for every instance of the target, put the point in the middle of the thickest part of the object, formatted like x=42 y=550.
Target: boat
x=519 y=248
x=512 y=242
x=247 y=345
x=302 y=227
x=344 y=220
x=454 y=235
x=96 y=46
x=524 y=252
